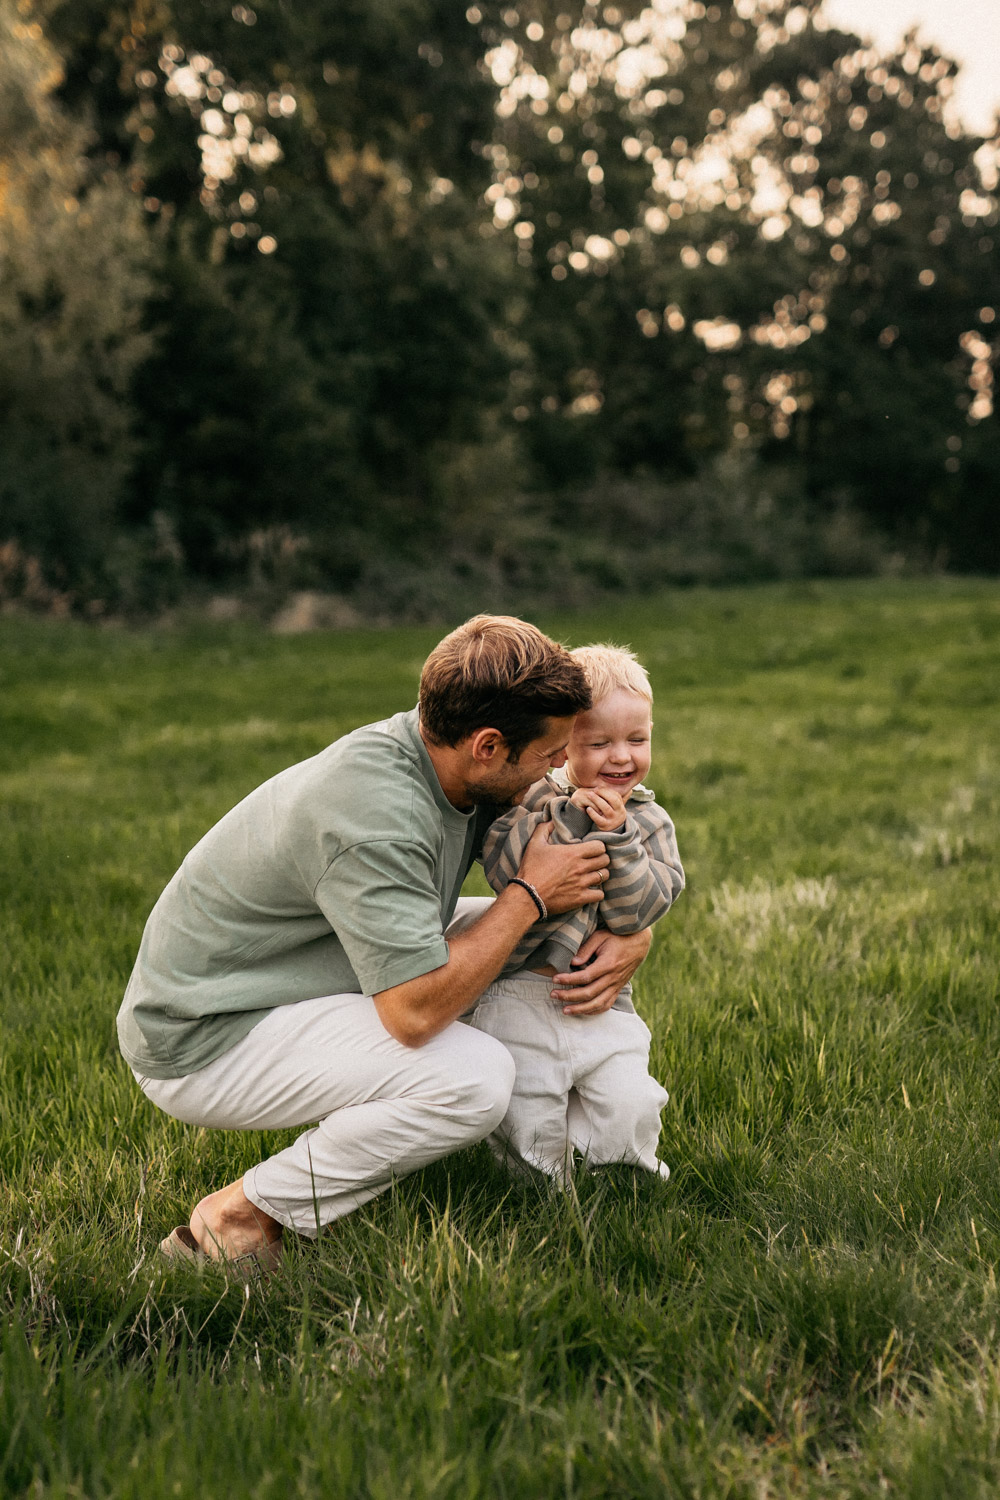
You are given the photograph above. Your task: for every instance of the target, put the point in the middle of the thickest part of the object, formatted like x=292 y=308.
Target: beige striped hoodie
x=645 y=878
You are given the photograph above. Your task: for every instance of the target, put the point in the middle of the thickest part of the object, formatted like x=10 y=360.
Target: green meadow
x=808 y=1308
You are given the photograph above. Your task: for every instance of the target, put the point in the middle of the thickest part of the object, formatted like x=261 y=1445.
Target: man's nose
x=558 y=761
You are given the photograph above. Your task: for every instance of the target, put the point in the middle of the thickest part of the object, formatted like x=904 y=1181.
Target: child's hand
x=606 y=809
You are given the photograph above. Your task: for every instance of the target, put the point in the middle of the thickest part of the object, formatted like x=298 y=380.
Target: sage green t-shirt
x=337 y=876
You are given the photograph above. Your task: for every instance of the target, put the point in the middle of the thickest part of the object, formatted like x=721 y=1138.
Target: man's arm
x=592 y=986
x=565 y=875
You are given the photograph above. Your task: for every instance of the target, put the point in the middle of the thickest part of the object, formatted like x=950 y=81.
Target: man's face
x=507 y=781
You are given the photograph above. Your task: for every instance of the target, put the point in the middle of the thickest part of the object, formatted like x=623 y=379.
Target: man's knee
x=467 y=913
x=485 y=1086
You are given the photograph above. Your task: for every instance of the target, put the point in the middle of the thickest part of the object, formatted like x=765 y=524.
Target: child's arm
x=503 y=847
x=646 y=874
x=507 y=836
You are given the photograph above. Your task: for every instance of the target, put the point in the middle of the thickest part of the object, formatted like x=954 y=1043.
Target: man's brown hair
x=496 y=672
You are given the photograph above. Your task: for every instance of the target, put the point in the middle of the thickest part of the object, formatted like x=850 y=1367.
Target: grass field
x=808 y=1308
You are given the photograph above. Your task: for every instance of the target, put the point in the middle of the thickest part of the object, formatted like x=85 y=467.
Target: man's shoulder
x=396 y=736
x=379 y=755
x=371 y=784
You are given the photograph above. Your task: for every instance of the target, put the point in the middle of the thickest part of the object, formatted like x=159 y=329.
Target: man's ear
x=486 y=746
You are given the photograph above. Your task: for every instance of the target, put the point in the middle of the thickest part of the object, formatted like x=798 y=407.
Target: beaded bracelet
x=543 y=910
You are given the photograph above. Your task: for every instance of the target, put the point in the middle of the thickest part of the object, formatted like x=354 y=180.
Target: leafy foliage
x=583 y=242
x=75 y=264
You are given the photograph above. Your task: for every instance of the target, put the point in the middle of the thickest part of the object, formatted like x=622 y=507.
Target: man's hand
x=564 y=875
x=602 y=965
x=605 y=808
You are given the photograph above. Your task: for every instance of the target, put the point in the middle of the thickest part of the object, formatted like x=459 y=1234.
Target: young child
x=583 y=1081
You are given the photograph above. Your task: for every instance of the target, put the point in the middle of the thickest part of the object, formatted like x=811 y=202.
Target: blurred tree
x=332 y=319
x=74 y=274
x=596 y=105
x=889 y=237
x=587 y=240
x=739 y=226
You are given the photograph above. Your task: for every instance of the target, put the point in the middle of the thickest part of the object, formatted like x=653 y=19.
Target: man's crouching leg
x=384 y=1110
x=430 y=1101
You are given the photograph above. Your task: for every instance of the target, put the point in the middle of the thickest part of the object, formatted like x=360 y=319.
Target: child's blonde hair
x=609 y=669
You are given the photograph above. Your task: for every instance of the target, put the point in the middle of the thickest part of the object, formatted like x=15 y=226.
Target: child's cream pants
x=582 y=1082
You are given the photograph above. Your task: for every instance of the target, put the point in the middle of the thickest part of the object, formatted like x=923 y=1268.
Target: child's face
x=609 y=745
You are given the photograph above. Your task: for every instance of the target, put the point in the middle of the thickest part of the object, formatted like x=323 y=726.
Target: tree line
x=540 y=296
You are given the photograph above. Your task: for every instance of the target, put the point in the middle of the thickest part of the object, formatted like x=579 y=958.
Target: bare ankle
x=227 y=1224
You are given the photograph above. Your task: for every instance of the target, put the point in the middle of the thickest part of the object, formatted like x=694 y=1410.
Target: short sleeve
x=381 y=900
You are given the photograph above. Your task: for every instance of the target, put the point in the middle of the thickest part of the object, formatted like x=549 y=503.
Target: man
x=303 y=964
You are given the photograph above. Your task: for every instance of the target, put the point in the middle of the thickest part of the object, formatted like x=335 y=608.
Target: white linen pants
x=583 y=1082
x=384 y=1110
